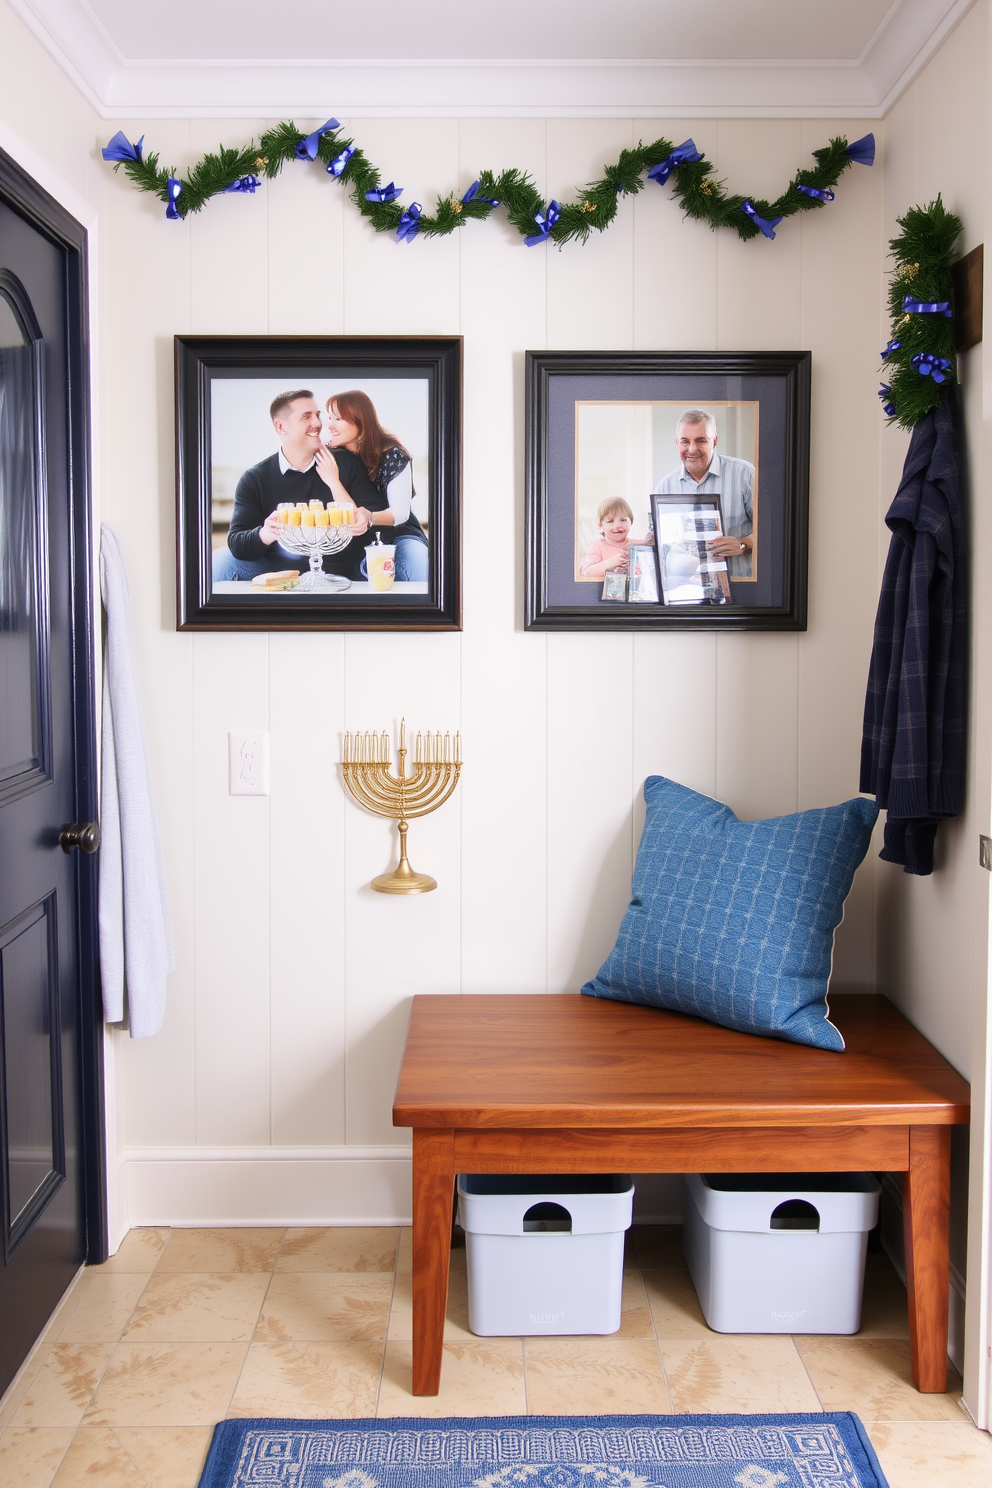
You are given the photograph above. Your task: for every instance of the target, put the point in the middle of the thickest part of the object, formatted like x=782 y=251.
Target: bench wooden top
x=514 y=1060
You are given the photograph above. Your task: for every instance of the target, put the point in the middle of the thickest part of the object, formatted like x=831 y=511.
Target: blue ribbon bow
x=862 y=151
x=816 y=193
x=924 y=307
x=930 y=365
x=473 y=192
x=307 y=148
x=174 y=188
x=121 y=148
x=409 y=226
x=761 y=223
x=245 y=183
x=384 y=193
x=893 y=346
x=884 y=390
x=686 y=153
x=545 y=221
x=339 y=162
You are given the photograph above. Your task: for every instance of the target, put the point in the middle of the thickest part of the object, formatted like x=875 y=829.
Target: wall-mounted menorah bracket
x=368 y=777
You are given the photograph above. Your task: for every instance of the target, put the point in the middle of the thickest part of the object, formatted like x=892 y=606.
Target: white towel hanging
x=135 y=938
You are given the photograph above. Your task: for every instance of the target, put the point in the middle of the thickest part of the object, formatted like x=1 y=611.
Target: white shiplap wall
x=268 y=1092
x=288 y=1008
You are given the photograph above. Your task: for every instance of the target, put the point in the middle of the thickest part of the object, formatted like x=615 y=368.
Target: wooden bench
x=570 y=1084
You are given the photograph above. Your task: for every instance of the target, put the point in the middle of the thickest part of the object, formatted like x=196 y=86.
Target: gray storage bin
x=544 y=1251
x=779 y=1252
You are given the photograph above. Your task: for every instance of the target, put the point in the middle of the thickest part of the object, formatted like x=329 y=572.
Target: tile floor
x=182 y=1328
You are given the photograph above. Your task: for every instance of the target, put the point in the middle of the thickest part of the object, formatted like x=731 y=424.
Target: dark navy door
x=50 y=1166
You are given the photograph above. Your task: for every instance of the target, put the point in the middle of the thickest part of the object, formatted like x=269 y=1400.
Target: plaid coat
x=915 y=725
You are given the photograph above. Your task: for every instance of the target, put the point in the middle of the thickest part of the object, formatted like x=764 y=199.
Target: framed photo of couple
x=318 y=482
x=667 y=490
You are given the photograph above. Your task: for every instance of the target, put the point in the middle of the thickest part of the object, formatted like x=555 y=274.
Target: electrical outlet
x=248 y=763
x=985 y=851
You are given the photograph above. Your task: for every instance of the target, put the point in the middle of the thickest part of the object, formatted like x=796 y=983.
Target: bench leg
x=433 y=1186
x=926 y=1204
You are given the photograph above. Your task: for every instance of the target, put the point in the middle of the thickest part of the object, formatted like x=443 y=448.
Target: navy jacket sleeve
x=915 y=722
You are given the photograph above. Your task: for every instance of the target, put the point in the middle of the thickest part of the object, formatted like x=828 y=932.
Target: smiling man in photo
x=703 y=472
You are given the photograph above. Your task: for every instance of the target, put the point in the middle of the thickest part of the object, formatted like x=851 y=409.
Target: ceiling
x=422 y=58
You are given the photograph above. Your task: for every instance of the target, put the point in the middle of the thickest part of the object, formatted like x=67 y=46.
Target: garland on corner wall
x=701 y=195
x=920 y=354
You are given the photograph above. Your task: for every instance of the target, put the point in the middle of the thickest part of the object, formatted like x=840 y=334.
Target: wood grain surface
x=775 y=1149
x=506 y=1061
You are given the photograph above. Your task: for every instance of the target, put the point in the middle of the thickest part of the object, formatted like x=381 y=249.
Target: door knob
x=80 y=834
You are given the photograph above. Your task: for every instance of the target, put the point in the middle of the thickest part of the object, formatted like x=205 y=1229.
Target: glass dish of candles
x=315 y=530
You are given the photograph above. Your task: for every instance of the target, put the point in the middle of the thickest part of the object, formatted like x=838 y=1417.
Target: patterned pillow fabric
x=734 y=921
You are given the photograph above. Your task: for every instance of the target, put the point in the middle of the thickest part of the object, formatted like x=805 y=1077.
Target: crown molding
x=899 y=52
x=118 y=88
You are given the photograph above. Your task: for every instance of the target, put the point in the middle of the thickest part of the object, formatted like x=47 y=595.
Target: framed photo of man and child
x=667 y=490
x=318 y=482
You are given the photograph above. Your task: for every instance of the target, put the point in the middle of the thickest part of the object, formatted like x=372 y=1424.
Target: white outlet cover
x=248 y=762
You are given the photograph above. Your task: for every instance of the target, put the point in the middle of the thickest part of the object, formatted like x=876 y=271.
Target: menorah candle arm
x=422 y=785
x=439 y=792
x=383 y=789
x=425 y=800
x=383 y=775
x=356 y=784
x=389 y=797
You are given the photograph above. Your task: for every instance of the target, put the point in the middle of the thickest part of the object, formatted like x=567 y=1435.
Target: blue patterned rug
x=830 y=1450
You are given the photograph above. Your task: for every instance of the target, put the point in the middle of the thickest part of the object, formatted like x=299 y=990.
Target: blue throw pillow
x=734 y=921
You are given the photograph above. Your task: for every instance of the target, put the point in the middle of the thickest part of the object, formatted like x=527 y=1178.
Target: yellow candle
x=323 y=519
x=307 y=519
x=293 y=518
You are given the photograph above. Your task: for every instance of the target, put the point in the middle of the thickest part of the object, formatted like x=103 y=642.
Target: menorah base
x=401 y=882
x=322 y=583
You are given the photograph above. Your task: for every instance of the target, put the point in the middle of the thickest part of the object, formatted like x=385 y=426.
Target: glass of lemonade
x=380 y=563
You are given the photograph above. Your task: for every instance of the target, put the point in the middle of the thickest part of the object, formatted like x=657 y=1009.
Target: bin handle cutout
x=547 y=1219
x=795 y=1214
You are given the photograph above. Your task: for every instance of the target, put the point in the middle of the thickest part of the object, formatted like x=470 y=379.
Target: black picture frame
x=694 y=512
x=767 y=398
x=430 y=365
x=644 y=574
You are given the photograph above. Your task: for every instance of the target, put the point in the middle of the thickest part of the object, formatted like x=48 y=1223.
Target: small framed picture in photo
x=724 y=433
x=692 y=549
x=615 y=586
x=642 y=581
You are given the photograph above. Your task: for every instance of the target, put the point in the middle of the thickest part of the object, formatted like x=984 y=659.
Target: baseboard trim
x=243 y=1187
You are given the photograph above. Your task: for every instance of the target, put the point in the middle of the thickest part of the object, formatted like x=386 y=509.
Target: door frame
x=23 y=194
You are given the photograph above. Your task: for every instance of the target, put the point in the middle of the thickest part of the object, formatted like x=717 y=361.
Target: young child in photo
x=612 y=549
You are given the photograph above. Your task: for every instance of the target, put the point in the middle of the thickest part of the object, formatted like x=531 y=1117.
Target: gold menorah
x=373 y=785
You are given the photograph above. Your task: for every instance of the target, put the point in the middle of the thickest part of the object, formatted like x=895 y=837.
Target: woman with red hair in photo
x=352 y=424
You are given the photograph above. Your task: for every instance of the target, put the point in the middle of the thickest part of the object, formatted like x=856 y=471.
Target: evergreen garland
x=702 y=196
x=920 y=354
